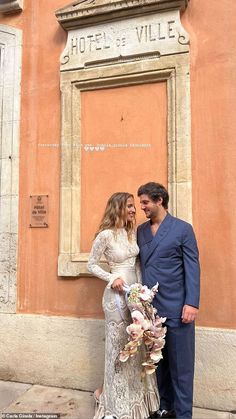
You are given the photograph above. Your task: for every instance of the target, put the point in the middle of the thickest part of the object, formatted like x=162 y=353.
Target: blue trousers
x=175 y=371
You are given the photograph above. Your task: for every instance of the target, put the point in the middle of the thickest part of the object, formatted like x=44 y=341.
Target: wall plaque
x=38 y=211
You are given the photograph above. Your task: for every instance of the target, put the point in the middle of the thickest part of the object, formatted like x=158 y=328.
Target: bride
x=124 y=395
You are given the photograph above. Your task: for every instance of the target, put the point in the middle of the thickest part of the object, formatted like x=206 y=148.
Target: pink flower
x=137 y=317
x=159 y=321
x=135 y=331
x=146 y=327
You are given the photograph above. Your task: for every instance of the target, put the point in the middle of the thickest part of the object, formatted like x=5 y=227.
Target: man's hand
x=118 y=285
x=189 y=314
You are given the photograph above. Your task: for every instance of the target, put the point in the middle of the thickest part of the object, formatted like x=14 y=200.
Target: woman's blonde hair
x=115 y=215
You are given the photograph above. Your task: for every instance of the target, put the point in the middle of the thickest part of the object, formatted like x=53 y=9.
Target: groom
x=169 y=255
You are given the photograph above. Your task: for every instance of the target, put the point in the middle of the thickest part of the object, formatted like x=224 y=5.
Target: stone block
x=69 y=403
x=9 y=214
x=6 y=140
x=215 y=373
x=8 y=103
x=51 y=350
x=14 y=213
x=15 y=138
x=5 y=239
x=184 y=205
x=5 y=179
x=9 y=391
x=5 y=214
x=209 y=414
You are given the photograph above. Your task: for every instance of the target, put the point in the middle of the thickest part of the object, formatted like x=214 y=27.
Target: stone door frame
x=10 y=78
x=174 y=69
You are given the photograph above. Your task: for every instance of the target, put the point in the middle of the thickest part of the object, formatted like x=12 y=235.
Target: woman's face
x=130 y=209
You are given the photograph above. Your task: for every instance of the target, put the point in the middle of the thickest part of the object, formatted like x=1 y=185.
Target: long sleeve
x=100 y=244
x=191 y=267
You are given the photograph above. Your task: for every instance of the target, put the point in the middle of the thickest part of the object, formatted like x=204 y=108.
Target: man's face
x=150 y=207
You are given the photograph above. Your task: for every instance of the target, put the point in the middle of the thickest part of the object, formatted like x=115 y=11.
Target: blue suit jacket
x=171 y=258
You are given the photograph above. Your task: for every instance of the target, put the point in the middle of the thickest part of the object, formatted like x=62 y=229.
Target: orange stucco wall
x=134 y=135
x=213 y=92
x=213 y=99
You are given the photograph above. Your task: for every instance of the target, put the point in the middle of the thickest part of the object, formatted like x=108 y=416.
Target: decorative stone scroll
x=11 y=6
x=116 y=44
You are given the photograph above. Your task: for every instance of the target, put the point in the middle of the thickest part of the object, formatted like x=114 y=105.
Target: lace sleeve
x=100 y=244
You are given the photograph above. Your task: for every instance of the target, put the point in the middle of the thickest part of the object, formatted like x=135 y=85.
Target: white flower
x=149 y=368
x=146 y=327
x=135 y=331
x=157 y=324
x=155 y=288
x=145 y=293
x=156 y=356
x=124 y=356
x=146 y=324
x=137 y=317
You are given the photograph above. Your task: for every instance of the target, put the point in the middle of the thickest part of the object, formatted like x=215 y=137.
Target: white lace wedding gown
x=125 y=395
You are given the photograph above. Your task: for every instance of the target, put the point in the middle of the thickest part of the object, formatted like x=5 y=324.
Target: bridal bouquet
x=146 y=327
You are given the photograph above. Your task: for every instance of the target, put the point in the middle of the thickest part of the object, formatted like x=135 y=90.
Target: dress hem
x=143 y=410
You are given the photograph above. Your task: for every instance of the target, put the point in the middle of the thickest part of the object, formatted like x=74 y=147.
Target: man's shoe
x=155 y=415
x=168 y=414
x=163 y=414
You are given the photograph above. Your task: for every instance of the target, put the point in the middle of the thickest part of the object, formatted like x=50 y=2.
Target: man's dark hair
x=155 y=191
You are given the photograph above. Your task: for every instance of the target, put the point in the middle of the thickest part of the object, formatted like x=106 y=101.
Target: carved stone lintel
x=87 y=12
x=11 y=6
x=124 y=40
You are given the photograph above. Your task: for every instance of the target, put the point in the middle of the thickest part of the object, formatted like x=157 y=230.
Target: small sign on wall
x=38 y=211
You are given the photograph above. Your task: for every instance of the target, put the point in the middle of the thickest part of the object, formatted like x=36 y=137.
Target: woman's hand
x=118 y=285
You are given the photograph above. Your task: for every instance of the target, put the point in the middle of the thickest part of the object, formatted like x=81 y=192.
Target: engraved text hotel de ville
x=160 y=34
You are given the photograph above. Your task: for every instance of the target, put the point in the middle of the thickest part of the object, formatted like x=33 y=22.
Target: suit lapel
x=160 y=234
x=145 y=239
x=148 y=237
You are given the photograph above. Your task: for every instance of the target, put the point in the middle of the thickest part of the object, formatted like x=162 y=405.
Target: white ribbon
x=126 y=290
